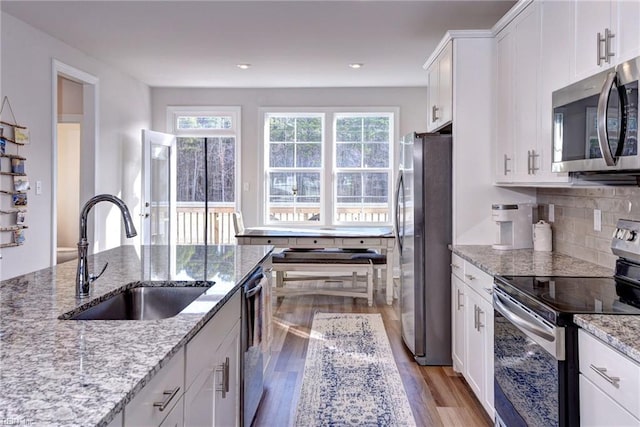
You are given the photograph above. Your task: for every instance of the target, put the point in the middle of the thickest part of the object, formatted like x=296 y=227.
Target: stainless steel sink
x=142 y=303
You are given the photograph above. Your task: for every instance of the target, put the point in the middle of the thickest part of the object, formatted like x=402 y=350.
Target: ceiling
x=289 y=43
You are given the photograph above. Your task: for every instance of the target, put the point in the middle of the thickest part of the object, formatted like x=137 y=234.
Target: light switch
x=597 y=220
x=38 y=187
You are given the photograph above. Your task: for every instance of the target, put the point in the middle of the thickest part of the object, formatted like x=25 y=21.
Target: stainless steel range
x=536 y=340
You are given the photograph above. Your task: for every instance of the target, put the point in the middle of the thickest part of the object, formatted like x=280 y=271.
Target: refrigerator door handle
x=399 y=189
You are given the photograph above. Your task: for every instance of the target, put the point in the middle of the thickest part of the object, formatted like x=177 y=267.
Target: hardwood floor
x=438 y=396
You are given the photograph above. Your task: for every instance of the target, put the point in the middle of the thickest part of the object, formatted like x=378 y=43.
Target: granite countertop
x=621 y=332
x=81 y=373
x=527 y=262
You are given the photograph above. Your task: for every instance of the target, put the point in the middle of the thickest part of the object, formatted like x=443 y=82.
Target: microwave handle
x=603 y=134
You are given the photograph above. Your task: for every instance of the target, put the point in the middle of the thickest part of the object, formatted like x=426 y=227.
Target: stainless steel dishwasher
x=253 y=308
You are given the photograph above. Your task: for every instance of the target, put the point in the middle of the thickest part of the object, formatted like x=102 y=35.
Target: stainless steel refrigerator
x=423 y=231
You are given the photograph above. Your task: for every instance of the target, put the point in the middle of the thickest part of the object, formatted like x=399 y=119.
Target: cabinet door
x=457 y=323
x=474 y=343
x=486 y=327
x=175 y=417
x=432 y=96
x=590 y=18
x=199 y=398
x=227 y=402
x=526 y=33
x=628 y=30
x=445 y=85
x=598 y=409
x=556 y=49
x=504 y=158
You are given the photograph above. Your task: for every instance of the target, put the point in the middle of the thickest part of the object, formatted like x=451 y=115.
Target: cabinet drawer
x=358 y=243
x=314 y=241
x=457 y=266
x=277 y=241
x=478 y=280
x=598 y=409
x=200 y=350
x=614 y=373
x=141 y=410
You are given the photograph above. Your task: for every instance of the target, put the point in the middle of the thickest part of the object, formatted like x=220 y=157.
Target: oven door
x=529 y=366
x=595 y=122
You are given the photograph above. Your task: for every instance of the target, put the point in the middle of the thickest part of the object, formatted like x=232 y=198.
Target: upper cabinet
x=440 y=89
x=606 y=33
x=523 y=114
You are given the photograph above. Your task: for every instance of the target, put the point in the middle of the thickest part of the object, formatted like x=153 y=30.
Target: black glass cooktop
x=565 y=296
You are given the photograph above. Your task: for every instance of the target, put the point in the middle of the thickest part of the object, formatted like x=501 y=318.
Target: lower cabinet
x=158 y=398
x=472 y=328
x=200 y=384
x=609 y=384
x=212 y=371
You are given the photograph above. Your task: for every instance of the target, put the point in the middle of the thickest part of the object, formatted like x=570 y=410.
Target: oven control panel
x=625 y=241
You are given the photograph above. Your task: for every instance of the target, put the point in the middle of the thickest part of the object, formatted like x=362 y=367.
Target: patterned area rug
x=350 y=377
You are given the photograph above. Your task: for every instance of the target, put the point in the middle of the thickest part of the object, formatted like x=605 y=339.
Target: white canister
x=542 y=236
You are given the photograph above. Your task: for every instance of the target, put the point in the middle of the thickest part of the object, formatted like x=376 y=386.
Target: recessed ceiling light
x=356 y=65
x=243 y=66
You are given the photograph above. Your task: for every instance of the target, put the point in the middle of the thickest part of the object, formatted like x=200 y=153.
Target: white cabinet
x=212 y=370
x=157 y=399
x=472 y=318
x=457 y=313
x=117 y=421
x=606 y=33
x=609 y=384
x=176 y=416
x=440 y=89
x=531 y=59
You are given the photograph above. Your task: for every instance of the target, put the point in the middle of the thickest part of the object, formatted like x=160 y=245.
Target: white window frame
x=327 y=192
x=173 y=112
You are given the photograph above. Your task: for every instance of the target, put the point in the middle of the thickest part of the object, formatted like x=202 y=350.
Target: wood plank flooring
x=438 y=396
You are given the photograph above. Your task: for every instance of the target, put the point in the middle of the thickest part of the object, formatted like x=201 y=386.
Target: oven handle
x=501 y=306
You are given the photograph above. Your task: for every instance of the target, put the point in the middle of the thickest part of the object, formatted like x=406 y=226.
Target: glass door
x=158 y=203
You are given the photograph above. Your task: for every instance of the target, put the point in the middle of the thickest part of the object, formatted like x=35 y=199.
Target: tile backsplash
x=573 y=226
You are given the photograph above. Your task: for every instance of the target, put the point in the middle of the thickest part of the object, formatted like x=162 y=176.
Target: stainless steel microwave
x=595 y=122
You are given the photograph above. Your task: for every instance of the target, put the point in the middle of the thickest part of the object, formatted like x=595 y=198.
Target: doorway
x=74 y=141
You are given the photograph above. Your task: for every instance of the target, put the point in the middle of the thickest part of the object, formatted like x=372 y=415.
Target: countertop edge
x=598 y=325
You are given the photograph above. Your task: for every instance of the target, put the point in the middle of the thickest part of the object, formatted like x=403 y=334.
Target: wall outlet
x=597 y=220
x=552 y=212
x=38 y=187
x=245 y=186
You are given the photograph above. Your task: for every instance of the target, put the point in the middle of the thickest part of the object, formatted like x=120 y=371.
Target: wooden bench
x=330 y=264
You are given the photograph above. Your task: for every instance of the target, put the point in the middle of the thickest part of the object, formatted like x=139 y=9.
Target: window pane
x=349 y=187
x=204 y=122
x=376 y=187
x=281 y=155
x=190 y=170
x=349 y=155
x=295 y=196
x=308 y=129
x=348 y=129
x=221 y=159
x=376 y=155
x=376 y=129
x=308 y=155
x=282 y=129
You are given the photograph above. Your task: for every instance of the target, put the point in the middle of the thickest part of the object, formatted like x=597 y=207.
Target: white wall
x=411 y=100
x=124 y=109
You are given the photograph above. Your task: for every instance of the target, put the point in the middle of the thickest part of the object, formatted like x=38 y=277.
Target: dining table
x=377 y=238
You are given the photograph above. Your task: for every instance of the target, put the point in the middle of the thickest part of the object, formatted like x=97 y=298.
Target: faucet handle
x=94 y=277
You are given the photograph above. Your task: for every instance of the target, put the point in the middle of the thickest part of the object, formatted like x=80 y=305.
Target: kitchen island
x=82 y=373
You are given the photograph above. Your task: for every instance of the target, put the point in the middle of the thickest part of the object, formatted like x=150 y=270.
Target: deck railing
x=191 y=219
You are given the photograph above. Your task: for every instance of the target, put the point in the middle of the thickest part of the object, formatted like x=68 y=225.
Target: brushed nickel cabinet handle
x=614 y=381
x=470 y=276
x=456 y=266
x=434 y=114
x=506 y=169
x=169 y=395
x=608 y=53
x=460 y=294
x=599 y=41
x=223 y=387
